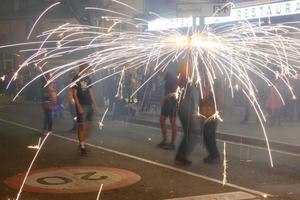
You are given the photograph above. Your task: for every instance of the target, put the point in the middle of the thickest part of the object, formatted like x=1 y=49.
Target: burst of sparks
x=2 y=78
x=225 y=167
x=31 y=164
x=244 y=53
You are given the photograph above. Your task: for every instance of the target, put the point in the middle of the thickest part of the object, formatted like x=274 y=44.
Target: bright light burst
x=2 y=78
x=242 y=53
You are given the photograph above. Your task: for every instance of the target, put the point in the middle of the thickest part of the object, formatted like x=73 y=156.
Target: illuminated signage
x=201 y=9
x=173 y=23
x=259 y=11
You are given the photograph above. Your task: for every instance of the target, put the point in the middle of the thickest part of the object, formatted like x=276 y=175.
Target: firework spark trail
x=35 y=146
x=225 y=167
x=31 y=164
x=100 y=123
x=240 y=53
x=41 y=15
x=99 y=192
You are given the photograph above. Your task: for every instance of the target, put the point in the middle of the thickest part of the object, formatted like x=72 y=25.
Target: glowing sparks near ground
x=100 y=123
x=2 y=78
x=99 y=192
x=225 y=167
x=31 y=164
x=35 y=146
x=239 y=54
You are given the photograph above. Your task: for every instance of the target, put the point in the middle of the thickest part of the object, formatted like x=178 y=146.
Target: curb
x=238 y=139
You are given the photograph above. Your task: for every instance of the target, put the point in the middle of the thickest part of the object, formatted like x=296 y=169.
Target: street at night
x=150 y=99
x=132 y=147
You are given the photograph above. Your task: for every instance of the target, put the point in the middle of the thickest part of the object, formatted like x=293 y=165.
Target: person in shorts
x=168 y=110
x=85 y=104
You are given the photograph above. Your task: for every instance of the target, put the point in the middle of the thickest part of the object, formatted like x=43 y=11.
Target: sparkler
x=31 y=164
x=99 y=192
x=224 y=165
x=100 y=123
x=244 y=53
x=35 y=146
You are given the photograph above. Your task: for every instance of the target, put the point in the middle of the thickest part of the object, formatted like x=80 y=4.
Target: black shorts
x=87 y=116
x=169 y=107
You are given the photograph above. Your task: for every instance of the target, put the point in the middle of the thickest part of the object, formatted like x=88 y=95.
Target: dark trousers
x=188 y=120
x=247 y=112
x=72 y=110
x=209 y=137
x=48 y=119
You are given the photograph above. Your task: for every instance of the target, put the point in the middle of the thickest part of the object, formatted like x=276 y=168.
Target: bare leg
x=163 y=128
x=174 y=129
x=81 y=132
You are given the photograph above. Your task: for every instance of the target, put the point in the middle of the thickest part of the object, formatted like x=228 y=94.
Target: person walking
x=187 y=115
x=48 y=101
x=189 y=105
x=168 y=110
x=70 y=102
x=85 y=104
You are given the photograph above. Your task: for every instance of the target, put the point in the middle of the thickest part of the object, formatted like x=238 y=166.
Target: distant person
x=297 y=100
x=85 y=104
x=145 y=93
x=49 y=98
x=168 y=110
x=58 y=112
x=247 y=111
x=128 y=87
x=72 y=108
x=274 y=104
x=12 y=89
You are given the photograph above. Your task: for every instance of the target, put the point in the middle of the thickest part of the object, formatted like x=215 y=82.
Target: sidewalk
x=285 y=137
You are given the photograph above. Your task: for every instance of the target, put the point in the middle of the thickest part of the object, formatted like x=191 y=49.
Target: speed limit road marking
x=73 y=179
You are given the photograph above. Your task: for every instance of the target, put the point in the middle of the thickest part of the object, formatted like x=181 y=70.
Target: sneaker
x=243 y=122
x=83 y=150
x=211 y=159
x=72 y=130
x=182 y=162
x=162 y=145
x=169 y=146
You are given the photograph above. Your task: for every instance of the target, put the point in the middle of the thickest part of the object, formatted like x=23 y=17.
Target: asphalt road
x=132 y=147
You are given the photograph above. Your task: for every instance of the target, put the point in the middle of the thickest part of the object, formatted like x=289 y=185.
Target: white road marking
x=234 y=143
x=220 y=196
x=147 y=161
